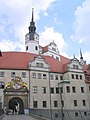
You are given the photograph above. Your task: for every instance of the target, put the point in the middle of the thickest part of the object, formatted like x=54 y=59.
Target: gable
x=39 y=64
x=74 y=65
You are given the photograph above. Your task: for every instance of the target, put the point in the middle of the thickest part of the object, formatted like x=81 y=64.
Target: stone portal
x=16 y=96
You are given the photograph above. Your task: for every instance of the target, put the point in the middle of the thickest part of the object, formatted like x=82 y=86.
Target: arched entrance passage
x=16 y=104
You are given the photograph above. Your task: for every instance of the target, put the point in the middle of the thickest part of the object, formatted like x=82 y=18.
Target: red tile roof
x=20 y=60
x=15 y=60
x=86 y=69
x=44 y=49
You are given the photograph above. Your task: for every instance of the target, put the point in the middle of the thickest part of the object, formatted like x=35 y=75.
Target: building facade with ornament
x=44 y=82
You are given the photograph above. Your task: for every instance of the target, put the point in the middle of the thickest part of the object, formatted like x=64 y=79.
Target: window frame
x=68 y=89
x=52 y=90
x=44 y=90
x=2 y=74
x=35 y=104
x=73 y=89
x=23 y=74
x=33 y=75
x=35 y=89
x=44 y=104
x=75 y=103
x=55 y=103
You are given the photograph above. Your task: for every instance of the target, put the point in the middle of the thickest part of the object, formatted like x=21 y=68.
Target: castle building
x=44 y=82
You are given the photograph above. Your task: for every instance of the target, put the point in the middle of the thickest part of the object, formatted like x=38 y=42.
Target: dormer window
x=75 y=66
x=53 y=49
x=39 y=65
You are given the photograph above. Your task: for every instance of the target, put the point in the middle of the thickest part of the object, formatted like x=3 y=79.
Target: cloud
x=49 y=35
x=86 y=56
x=8 y=45
x=82 y=23
x=15 y=18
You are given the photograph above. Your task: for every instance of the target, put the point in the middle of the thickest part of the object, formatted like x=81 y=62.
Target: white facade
x=32 y=46
x=52 y=51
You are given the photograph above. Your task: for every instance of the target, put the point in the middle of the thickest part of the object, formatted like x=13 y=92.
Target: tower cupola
x=32 y=38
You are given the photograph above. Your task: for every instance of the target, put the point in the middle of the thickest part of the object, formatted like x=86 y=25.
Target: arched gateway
x=16 y=104
x=16 y=96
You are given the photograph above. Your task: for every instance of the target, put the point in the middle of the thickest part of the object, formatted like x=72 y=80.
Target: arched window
x=26 y=48
x=36 y=48
x=2 y=85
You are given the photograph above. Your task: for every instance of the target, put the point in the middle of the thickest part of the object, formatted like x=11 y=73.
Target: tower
x=82 y=62
x=32 y=38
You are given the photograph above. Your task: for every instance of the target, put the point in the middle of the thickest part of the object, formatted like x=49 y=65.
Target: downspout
x=50 y=98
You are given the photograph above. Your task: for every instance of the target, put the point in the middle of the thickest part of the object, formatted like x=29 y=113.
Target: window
x=61 y=77
x=35 y=104
x=35 y=89
x=43 y=89
x=57 y=90
x=56 y=77
x=76 y=76
x=39 y=75
x=75 y=102
x=39 y=65
x=26 y=48
x=80 y=77
x=75 y=66
x=82 y=89
x=76 y=113
x=36 y=48
x=52 y=90
x=55 y=103
x=2 y=74
x=88 y=78
x=33 y=75
x=23 y=74
x=54 y=49
x=44 y=76
x=12 y=74
x=44 y=104
x=51 y=77
x=56 y=115
x=68 y=89
x=85 y=113
x=2 y=85
x=72 y=76
x=84 y=102
x=74 y=89
x=57 y=58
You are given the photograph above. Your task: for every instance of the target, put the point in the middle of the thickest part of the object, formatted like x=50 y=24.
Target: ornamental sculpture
x=16 y=83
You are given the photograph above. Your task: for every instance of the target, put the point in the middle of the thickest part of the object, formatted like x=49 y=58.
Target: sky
x=66 y=22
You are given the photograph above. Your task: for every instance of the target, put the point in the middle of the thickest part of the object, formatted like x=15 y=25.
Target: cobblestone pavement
x=20 y=117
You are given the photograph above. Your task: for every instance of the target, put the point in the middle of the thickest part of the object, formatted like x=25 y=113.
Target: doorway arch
x=16 y=101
